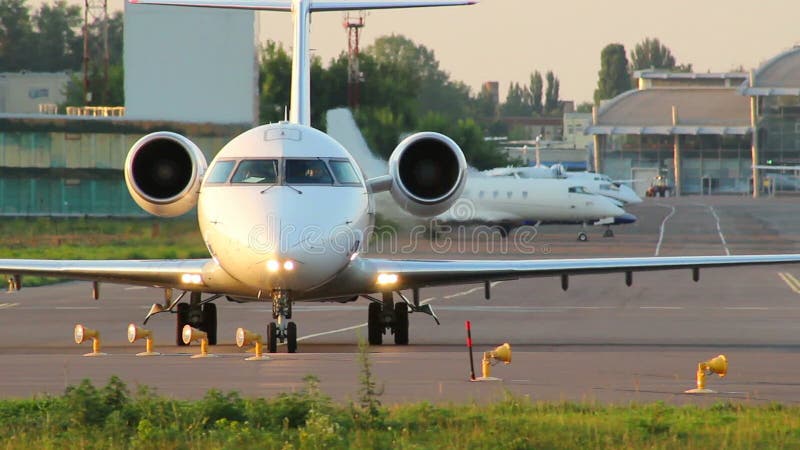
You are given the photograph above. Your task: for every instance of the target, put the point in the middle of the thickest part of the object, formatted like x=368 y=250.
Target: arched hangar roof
x=778 y=76
x=717 y=111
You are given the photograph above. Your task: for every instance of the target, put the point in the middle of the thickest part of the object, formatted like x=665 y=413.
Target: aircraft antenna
x=353 y=23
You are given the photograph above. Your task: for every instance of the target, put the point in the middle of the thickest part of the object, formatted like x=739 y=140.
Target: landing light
x=387 y=278
x=272 y=265
x=288 y=265
x=191 y=278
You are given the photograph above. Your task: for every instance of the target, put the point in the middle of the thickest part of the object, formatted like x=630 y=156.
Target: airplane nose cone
x=625 y=219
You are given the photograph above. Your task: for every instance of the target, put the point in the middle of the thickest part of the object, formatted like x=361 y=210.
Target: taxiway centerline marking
x=663 y=227
x=8 y=305
x=791 y=281
x=362 y=325
x=719 y=231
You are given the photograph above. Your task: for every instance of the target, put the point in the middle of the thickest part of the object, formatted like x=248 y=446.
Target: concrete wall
x=190 y=64
x=23 y=92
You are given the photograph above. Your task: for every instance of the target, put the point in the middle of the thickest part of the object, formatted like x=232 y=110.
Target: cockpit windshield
x=307 y=171
x=344 y=172
x=578 y=190
x=256 y=171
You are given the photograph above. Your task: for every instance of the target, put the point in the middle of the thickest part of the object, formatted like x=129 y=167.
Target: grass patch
x=111 y=416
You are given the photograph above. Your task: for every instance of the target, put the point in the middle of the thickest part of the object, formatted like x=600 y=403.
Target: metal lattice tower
x=353 y=23
x=95 y=13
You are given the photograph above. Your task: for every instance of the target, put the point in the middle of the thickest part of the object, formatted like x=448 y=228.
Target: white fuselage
x=515 y=200
x=253 y=229
x=595 y=183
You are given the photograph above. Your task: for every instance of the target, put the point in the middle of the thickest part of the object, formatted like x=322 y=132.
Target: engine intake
x=428 y=173
x=163 y=172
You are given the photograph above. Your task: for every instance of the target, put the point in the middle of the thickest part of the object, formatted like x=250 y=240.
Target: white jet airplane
x=508 y=202
x=596 y=183
x=284 y=210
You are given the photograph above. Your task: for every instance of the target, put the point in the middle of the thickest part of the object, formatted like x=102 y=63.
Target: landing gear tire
x=291 y=337
x=400 y=323
x=180 y=322
x=583 y=237
x=210 y=322
x=272 y=337
x=374 y=324
x=609 y=233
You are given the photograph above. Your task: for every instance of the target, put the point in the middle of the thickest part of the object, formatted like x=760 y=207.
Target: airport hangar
x=187 y=70
x=697 y=129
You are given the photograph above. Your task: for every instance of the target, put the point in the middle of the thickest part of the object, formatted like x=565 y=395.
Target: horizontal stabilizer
x=315 y=5
x=264 y=5
x=340 y=5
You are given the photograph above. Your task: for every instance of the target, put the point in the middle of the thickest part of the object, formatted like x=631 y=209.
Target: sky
x=506 y=40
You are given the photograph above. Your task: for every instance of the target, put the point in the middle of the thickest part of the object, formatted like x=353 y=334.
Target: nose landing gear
x=281 y=331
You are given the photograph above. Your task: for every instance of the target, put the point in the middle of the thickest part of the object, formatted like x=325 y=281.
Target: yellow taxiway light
x=135 y=333
x=190 y=334
x=717 y=365
x=499 y=354
x=247 y=337
x=82 y=334
x=387 y=278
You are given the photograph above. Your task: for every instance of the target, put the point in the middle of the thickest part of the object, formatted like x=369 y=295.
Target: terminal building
x=707 y=133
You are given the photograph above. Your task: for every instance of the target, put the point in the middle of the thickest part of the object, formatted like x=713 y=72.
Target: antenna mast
x=353 y=23
x=95 y=13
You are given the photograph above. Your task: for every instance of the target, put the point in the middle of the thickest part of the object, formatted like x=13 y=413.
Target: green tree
x=486 y=104
x=585 y=107
x=551 y=101
x=274 y=79
x=16 y=33
x=58 y=45
x=536 y=92
x=516 y=104
x=613 y=77
x=651 y=53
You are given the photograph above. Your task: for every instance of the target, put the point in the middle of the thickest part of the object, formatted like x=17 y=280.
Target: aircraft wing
x=180 y=274
x=421 y=273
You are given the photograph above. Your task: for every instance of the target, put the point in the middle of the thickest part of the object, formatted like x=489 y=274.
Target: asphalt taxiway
x=599 y=341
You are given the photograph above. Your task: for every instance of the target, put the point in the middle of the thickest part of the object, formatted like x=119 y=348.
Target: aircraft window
x=256 y=171
x=480 y=194
x=307 y=171
x=344 y=172
x=608 y=187
x=578 y=190
x=221 y=171
x=524 y=194
x=494 y=194
x=509 y=194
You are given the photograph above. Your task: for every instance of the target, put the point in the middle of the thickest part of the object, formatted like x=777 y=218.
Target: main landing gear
x=386 y=315
x=199 y=314
x=582 y=236
x=281 y=330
